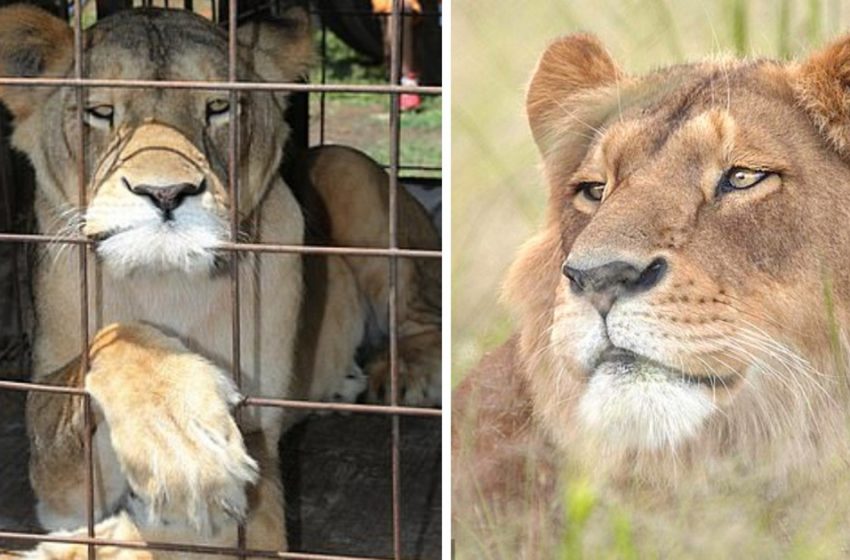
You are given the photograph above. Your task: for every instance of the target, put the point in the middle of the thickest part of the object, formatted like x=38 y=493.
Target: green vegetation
x=362 y=120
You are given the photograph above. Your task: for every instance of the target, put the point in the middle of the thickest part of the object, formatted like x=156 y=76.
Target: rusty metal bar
x=318 y=250
x=237 y=86
x=395 y=138
x=346 y=407
x=414 y=167
x=369 y=13
x=88 y=424
x=41 y=387
x=252 y=401
x=323 y=80
x=176 y=547
x=233 y=182
x=39 y=238
x=250 y=247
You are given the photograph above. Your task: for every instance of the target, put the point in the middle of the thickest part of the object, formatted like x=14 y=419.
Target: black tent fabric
x=353 y=22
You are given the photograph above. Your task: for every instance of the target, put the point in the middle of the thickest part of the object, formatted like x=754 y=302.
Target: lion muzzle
x=157 y=204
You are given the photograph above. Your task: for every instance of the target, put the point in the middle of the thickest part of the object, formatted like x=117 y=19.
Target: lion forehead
x=156 y=45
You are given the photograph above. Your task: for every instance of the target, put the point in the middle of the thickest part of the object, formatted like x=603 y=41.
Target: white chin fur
x=643 y=408
x=162 y=246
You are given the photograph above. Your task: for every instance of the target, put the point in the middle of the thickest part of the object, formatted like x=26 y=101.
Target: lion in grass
x=169 y=458
x=683 y=312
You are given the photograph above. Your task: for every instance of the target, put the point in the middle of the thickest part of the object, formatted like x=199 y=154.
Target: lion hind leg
x=355 y=192
x=334 y=374
x=419 y=372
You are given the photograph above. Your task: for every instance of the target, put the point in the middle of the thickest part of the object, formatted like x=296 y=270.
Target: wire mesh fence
x=228 y=13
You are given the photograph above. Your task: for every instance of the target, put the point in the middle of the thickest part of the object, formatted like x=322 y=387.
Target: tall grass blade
x=783 y=38
x=739 y=15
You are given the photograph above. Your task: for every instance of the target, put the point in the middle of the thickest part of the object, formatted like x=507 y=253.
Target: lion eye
x=592 y=190
x=740 y=178
x=100 y=116
x=217 y=109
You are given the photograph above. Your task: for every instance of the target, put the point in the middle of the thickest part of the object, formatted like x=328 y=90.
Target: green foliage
x=624 y=543
x=738 y=14
x=362 y=120
x=344 y=65
x=814 y=20
x=783 y=37
x=580 y=501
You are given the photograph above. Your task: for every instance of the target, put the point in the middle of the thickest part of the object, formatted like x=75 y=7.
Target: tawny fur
x=757 y=295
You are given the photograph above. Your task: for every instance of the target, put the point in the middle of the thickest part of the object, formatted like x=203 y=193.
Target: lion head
x=155 y=161
x=688 y=296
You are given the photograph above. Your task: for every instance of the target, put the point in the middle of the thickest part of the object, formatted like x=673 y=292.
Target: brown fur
x=31 y=46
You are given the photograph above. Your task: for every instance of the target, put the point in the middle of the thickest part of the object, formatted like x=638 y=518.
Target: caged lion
x=683 y=311
x=170 y=463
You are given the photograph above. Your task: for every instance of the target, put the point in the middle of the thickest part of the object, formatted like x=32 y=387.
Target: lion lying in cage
x=171 y=465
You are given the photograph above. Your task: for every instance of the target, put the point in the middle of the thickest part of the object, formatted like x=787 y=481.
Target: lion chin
x=642 y=406
x=186 y=246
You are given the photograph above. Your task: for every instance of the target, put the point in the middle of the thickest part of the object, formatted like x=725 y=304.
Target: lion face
x=694 y=254
x=155 y=160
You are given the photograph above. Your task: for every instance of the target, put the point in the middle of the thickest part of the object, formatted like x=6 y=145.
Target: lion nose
x=602 y=285
x=167 y=197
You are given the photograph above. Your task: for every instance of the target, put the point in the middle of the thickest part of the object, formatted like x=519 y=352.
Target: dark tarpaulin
x=353 y=22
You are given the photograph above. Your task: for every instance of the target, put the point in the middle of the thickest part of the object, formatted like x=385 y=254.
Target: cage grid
x=393 y=90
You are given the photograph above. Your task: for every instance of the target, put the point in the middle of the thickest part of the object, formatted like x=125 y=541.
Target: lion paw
x=178 y=445
x=351 y=386
x=418 y=385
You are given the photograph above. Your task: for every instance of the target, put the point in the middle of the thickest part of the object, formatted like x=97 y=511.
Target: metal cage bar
x=80 y=84
x=84 y=279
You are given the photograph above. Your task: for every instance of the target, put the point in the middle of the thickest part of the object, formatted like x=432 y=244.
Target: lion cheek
x=577 y=337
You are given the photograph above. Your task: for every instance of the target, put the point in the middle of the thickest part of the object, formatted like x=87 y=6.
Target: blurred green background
x=497 y=194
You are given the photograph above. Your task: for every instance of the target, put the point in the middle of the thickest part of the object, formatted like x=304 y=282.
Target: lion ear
x=822 y=87
x=279 y=51
x=33 y=44
x=570 y=65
